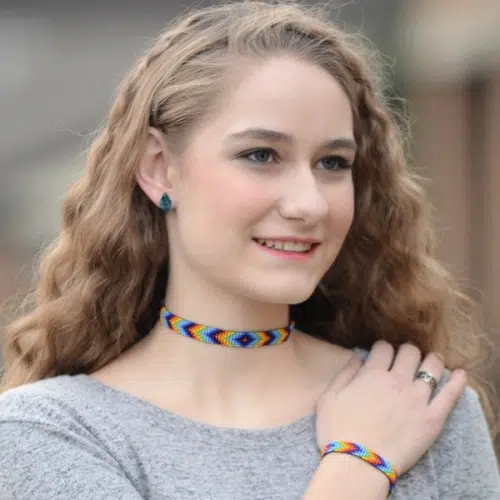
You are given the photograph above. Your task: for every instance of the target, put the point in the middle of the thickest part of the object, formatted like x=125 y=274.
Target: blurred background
x=61 y=62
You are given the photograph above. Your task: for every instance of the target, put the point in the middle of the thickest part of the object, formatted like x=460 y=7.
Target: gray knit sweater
x=73 y=438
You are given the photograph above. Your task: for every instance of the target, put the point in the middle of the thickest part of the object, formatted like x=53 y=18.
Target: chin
x=298 y=299
x=289 y=295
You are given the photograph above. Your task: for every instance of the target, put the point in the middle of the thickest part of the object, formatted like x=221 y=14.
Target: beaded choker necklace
x=227 y=338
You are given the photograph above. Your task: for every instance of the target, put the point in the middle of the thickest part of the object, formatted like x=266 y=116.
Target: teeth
x=288 y=246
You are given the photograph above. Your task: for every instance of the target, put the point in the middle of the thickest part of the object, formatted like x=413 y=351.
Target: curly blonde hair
x=101 y=283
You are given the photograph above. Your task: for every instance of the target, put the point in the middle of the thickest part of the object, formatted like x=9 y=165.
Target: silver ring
x=427 y=378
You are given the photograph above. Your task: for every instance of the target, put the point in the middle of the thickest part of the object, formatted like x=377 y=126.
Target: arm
x=40 y=461
x=344 y=477
x=463 y=455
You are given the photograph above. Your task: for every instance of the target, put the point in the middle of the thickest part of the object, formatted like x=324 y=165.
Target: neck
x=223 y=370
x=214 y=308
x=225 y=380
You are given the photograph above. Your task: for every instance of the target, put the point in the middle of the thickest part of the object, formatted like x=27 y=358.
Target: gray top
x=71 y=437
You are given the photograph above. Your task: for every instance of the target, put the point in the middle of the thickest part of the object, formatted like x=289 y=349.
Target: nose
x=302 y=197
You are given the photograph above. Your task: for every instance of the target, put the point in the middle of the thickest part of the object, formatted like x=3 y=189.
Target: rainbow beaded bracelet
x=365 y=454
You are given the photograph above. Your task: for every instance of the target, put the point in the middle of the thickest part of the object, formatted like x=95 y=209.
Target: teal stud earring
x=165 y=203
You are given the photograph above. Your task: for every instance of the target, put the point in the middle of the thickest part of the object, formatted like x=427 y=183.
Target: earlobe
x=152 y=171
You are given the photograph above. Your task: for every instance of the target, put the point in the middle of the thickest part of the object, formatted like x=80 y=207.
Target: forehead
x=282 y=93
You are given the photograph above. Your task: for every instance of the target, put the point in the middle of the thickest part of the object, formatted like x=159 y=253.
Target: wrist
x=348 y=478
x=364 y=454
x=349 y=466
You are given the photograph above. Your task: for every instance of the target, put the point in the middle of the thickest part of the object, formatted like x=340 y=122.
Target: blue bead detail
x=166 y=203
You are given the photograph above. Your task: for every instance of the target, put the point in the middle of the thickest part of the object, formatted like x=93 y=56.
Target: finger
x=407 y=360
x=447 y=397
x=434 y=366
x=380 y=356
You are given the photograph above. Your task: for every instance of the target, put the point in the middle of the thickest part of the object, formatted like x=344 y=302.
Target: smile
x=286 y=248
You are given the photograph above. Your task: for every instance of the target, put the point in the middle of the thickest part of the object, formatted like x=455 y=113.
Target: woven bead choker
x=227 y=338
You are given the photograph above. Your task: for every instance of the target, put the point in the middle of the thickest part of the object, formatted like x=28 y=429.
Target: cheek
x=342 y=209
x=222 y=197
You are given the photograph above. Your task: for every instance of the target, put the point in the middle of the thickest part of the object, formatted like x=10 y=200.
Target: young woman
x=242 y=303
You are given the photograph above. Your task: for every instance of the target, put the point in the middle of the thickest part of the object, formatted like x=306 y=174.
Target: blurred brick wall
x=452 y=68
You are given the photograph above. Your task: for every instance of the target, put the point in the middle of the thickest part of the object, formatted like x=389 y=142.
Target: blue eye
x=335 y=163
x=266 y=156
x=262 y=155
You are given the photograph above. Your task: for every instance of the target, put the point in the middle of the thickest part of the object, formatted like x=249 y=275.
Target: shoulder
x=62 y=404
x=32 y=400
x=463 y=455
x=58 y=414
x=55 y=445
x=466 y=417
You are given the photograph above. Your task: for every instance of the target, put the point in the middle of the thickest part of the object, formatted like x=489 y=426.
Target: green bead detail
x=165 y=203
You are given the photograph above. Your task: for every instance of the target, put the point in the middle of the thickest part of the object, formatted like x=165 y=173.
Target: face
x=266 y=196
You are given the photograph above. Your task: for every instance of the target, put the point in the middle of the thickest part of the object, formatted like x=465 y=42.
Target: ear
x=155 y=171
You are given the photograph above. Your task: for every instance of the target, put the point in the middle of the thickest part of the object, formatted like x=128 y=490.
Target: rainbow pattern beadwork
x=227 y=338
x=365 y=454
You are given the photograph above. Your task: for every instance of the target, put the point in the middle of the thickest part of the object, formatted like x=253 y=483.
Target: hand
x=383 y=408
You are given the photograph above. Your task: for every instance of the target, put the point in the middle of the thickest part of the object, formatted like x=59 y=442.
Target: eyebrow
x=275 y=136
